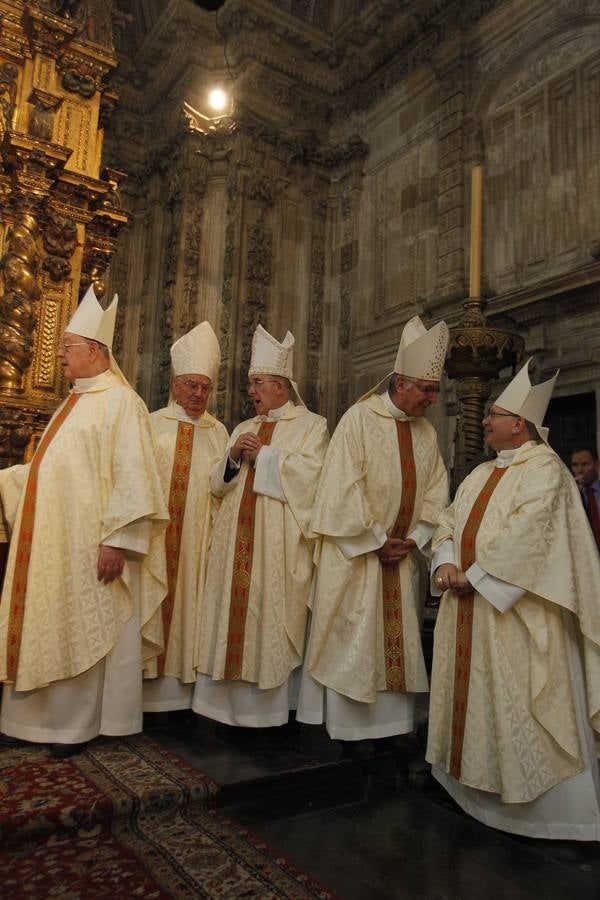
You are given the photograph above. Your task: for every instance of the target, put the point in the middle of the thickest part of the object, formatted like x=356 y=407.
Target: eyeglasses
x=66 y=347
x=258 y=383
x=497 y=415
x=196 y=386
x=432 y=390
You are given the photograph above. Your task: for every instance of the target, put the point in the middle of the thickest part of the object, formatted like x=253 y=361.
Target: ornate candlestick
x=477 y=352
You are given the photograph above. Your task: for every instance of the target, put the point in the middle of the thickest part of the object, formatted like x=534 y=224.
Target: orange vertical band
x=464 y=623
x=25 y=540
x=180 y=475
x=393 y=632
x=242 y=569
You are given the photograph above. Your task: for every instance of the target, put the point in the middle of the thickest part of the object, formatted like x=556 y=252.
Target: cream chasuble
x=187 y=449
x=361 y=493
x=524 y=723
x=97 y=478
x=256 y=636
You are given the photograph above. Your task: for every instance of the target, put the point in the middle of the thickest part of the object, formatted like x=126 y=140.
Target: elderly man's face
x=584 y=468
x=192 y=393
x=76 y=356
x=266 y=392
x=415 y=396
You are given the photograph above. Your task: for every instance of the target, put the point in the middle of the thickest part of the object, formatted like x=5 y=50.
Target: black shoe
x=7 y=741
x=62 y=751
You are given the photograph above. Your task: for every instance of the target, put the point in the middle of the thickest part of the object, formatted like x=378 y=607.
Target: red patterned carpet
x=126 y=819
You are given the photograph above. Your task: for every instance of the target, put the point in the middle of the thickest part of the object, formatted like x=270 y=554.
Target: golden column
x=60 y=215
x=478 y=351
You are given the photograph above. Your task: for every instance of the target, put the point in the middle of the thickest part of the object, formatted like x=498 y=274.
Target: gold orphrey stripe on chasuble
x=180 y=476
x=393 y=632
x=464 y=623
x=242 y=569
x=23 y=555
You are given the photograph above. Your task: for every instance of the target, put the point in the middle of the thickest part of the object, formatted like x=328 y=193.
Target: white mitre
x=421 y=353
x=273 y=357
x=91 y=321
x=197 y=353
x=522 y=398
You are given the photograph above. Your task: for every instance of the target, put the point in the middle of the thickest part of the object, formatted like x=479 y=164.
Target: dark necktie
x=593 y=513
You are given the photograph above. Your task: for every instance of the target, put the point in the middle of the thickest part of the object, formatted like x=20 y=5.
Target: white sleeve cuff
x=500 y=594
x=267 y=477
x=442 y=556
x=134 y=538
x=366 y=542
x=421 y=534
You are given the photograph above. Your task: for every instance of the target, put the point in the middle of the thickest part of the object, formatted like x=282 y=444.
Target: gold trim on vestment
x=242 y=569
x=393 y=632
x=180 y=475
x=25 y=541
x=464 y=623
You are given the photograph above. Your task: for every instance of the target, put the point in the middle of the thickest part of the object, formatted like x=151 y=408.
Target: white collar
x=504 y=458
x=280 y=412
x=393 y=409
x=182 y=416
x=81 y=385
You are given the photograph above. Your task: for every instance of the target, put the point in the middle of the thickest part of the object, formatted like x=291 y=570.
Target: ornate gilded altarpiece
x=60 y=214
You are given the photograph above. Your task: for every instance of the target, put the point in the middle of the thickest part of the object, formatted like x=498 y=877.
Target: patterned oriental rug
x=126 y=819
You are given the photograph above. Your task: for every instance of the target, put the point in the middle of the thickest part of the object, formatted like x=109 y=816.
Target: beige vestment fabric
x=522 y=736
x=98 y=477
x=210 y=441
x=281 y=562
x=361 y=488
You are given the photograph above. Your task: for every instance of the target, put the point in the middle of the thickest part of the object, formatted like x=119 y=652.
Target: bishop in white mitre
x=515 y=691
x=383 y=486
x=80 y=608
x=253 y=616
x=189 y=442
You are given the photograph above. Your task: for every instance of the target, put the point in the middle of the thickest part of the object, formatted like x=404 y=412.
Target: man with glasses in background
x=383 y=486
x=189 y=441
x=515 y=687
x=80 y=608
x=252 y=621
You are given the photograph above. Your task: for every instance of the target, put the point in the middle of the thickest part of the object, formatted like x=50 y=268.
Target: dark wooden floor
x=373 y=830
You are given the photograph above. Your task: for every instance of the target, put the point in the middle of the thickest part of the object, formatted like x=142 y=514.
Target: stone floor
x=374 y=830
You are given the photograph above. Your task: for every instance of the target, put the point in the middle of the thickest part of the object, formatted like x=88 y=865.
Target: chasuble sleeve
x=342 y=508
x=12 y=484
x=135 y=488
x=539 y=543
x=299 y=470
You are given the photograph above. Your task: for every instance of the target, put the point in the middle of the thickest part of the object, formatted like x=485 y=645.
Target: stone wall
x=334 y=200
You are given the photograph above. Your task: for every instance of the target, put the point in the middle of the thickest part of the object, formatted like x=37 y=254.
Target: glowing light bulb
x=217 y=99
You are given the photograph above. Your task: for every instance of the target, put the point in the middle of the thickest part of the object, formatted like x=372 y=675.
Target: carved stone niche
x=41 y=120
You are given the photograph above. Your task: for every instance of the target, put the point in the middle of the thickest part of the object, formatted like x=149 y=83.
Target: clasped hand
x=246 y=447
x=448 y=577
x=394 y=550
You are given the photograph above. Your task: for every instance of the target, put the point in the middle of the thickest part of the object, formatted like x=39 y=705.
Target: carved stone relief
x=406 y=229
x=542 y=174
x=8 y=87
